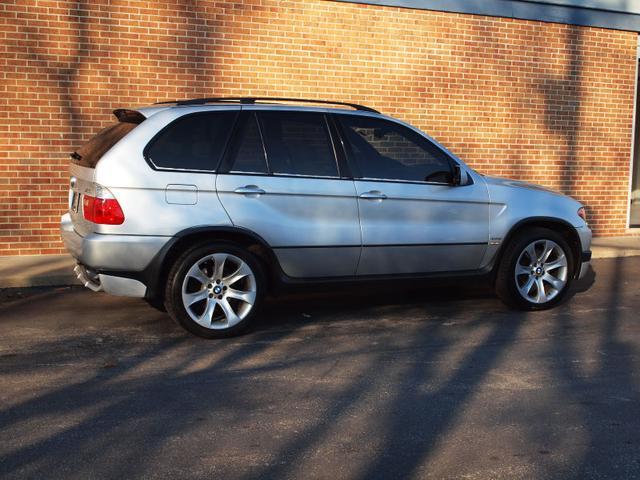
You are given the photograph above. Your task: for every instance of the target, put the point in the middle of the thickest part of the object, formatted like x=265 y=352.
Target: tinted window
x=247 y=154
x=298 y=143
x=193 y=142
x=386 y=150
x=89 y=154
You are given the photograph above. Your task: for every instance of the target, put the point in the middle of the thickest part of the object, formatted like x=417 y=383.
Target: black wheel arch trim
x=220 y=229
x=157 y=268
x=153 y=275
x=577 y=254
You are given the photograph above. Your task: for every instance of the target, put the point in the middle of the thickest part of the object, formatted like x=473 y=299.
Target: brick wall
x=544 y=102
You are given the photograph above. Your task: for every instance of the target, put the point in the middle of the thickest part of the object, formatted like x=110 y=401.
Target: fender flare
x=154 y=274
x=539 y=220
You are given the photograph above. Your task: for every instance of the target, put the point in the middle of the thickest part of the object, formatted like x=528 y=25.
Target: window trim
x=356 y=175
x=399 y=180
x=262 y=142
x=226 y=163
x=150 y=143
x=333 y=148
x=285 y=175
x=339 y=147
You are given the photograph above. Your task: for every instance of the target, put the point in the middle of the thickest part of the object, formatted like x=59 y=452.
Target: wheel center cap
x=538 y=271
x=217 y=289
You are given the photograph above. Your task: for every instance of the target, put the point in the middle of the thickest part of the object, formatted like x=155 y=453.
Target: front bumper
x=585 y=235
x=97 y=253
x=585 y=264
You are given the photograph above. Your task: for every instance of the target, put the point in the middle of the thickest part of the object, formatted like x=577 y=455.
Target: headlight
x=582 y=213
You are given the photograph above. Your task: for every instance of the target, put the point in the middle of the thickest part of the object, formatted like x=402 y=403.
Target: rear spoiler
x=128 y=116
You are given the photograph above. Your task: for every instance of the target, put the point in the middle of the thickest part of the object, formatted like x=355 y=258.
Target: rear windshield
x=90 y=153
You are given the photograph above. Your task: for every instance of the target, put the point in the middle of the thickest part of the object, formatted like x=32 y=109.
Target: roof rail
x=253 y=100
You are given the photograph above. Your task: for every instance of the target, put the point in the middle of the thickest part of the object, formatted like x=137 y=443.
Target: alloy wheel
x=541 y=271
x=219 y=290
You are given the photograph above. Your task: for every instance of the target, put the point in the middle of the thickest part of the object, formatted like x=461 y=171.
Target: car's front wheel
x=536 y=270
x=215 y=290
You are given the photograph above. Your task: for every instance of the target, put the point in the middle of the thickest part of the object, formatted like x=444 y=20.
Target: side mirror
x=457 y=175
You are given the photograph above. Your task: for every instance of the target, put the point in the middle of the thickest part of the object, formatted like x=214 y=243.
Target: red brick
x=543 y=102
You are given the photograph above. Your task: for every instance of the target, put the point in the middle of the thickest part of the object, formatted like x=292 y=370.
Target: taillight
x=582 y=213
x=103 y=208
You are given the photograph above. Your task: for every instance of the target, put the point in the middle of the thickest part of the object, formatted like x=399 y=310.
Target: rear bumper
x=96 y=253
x=112 y=284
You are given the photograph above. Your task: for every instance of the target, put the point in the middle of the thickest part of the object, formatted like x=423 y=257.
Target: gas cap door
x=177 y=194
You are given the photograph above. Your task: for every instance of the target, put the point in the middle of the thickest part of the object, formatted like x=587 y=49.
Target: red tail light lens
x=103 y=208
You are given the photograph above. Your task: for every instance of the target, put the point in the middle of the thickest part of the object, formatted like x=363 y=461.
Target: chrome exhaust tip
x=89 y=279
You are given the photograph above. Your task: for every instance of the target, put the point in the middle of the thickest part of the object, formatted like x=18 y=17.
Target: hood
x=508 y=182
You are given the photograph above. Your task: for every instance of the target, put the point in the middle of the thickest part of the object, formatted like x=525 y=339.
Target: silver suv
x=203 y=206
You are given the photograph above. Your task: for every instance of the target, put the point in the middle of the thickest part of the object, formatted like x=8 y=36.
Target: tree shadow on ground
x=122 y=407
x=606 y=395
x=361 y=369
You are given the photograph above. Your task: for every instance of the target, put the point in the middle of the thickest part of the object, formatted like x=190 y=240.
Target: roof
x=263 y=100
x=137 y=114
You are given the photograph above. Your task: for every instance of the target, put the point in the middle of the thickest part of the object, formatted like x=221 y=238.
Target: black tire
x=506 y=286
x=173 y=293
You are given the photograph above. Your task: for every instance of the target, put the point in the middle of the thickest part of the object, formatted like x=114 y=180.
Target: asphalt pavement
x=391 y=381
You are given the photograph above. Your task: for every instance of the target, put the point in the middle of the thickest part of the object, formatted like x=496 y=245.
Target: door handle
x=249 y=190
x=373 y=195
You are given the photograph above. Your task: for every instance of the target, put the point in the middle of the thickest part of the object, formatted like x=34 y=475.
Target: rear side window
x=91 y=152
x=385 y=150
x=192 y=142
x=298 y=143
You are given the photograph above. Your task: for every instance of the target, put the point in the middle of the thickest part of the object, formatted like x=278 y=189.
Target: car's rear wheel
x=214 y=291
x=536 y=270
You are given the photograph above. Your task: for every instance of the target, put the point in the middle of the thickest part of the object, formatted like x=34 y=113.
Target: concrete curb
x=603 y=252
x=57 y=270
x=37 y=271
x=612 y=247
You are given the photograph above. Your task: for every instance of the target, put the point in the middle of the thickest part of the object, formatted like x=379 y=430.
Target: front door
x=413 y=219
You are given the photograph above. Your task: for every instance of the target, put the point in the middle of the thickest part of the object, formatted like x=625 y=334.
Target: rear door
x=281 y=180
x=414 y=220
